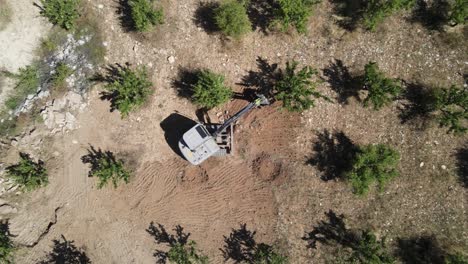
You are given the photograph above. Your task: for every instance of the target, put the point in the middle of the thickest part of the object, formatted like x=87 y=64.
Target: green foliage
x=381 y=90
x=377 y=10
x=294 y=13
x=27 y=82
x=106 y=167
x=265 y=254
x=61 y=12
x=209 y=91
x=231 y=17
x=28 y=173
x=451 y=106
x=62 y=72
x=457 y=258
x=459 y=12
x=6 y=246
x=129 y=89
x=186 y=254
x=369 y=250
x=372 y=163
x=296 y=88
x=144 y=15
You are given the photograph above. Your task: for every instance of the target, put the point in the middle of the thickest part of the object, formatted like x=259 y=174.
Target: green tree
x=231 y=17
x=6 y=246
x=106 y=167
x=294 y=13
x=209 y=91
x=381 y=90
x=61 y=12
x=28 y=173
x=451 y=108
x=27 y=82
x=372 y=163
x=459 y=12
x=265 y=254
x=457 y=258
x=369 y=250
x=128 y=89
x=144 y=15
x=295 y=89
x=377 y=10
x=62 y=72
x=186 y=254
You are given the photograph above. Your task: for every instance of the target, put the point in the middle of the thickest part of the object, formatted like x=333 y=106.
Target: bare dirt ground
x=267 y=184
x=20 y=37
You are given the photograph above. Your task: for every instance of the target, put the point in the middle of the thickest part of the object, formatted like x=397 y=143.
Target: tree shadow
x=263 y=80
x=240 y=246
x=350 y=12
x=433 y=15
x=342 y=82
x=174 y=127
x=186 y=79
x=261 y=13
x=112 y=74
x=66 y=252
x=462 y=165
x=334 y=154
x=416 y=110
x=94 y=157
x=161 y=236
x=205 y=16
x=333 y=231
x=421 y=250
x=5 y=228
x=124 y=11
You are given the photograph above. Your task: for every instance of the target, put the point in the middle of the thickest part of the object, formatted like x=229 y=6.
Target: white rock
x=171 y=59
x=75 y=141
x=443 y=167
x=100 y=6
x=421 y=164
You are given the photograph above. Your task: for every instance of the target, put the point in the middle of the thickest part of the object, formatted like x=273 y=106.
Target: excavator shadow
x=174 y=126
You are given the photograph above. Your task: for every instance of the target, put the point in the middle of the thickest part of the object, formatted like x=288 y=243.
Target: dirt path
x=20 y=38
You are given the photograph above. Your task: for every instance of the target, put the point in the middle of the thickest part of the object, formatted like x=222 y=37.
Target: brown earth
x=268 y=183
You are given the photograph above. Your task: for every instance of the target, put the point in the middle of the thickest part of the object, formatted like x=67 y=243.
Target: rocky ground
x=269 y=184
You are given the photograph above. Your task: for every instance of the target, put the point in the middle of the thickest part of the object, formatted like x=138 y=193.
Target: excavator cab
x=205 y=140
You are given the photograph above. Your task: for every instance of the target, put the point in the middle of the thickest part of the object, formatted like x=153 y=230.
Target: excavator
x=206 y=140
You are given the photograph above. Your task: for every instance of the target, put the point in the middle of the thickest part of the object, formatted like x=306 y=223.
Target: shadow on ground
x=205 y=17
x=261 y=13
x=65 y=252
x=240 y=245
x=95 y=156
x=185 y=81
x=333 y=231
x=343 y=82
x=174 y=126
x=263 y=80
x=423 y=249
x=334 y=153
x=161 y=236
x=124 y=12
x=462 y=165
x=416 y=109
x=349 y=11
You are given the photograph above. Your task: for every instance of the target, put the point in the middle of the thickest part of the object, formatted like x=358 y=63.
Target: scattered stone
x=421 y=164
x=100 y=6
x=443 y=167
x=171 y=59
x=75 y=141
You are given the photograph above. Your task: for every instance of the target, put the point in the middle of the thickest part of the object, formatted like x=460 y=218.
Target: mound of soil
x=266 y=168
